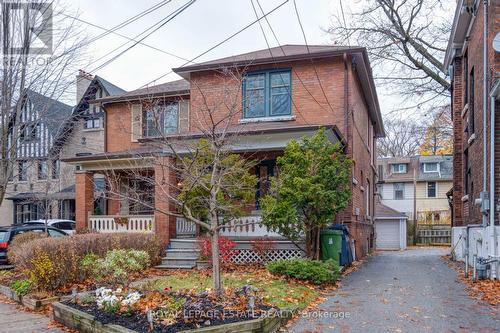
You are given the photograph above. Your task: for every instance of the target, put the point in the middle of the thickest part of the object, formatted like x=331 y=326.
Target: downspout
x=492 y=238
x=485 y=110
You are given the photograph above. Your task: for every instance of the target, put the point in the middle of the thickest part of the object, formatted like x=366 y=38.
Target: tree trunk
x=217 y=284
x=309 y=242
x=317 y=243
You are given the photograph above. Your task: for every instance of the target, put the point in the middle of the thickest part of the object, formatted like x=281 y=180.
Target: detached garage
x=390 y=228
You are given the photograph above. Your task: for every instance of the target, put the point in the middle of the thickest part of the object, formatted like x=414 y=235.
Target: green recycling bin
x=331 y=244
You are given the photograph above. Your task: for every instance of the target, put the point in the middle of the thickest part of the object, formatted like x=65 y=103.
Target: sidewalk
x=13 y=320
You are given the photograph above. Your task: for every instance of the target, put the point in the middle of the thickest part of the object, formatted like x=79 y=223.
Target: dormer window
x=267 y=94
x=399 y=168
x=431 y=167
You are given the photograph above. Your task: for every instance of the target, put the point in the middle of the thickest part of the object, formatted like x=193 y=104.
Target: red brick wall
x=467 y=212
x=221 y=92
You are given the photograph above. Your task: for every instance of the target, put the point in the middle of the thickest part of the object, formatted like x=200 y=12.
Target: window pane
x=55 y=233
x=151 y=123
x=280 y=79
x=97 y=123
x=255 y=103
x=280 y=101
x=171 y=118
x=255 y=81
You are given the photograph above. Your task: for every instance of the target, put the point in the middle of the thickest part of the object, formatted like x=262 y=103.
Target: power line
x=167 y=19
x=309 y=52
x=220 y=43
x=126 y=37
x=132 y=19
x=343 y=18
x=283 y=51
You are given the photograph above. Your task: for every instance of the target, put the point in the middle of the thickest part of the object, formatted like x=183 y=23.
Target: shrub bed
x=317 y=272
x=51 y=263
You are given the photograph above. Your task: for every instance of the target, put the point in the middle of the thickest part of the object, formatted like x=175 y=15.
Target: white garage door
x=388 y=235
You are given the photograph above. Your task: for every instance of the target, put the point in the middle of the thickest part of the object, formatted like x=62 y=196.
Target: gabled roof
x=384 y=212
x=110 y=88
x=52 y=112
x=284 y=53
x=172 y=88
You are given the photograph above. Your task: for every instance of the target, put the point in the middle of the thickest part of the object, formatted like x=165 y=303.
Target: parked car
x=8 y=233
x=67 y=225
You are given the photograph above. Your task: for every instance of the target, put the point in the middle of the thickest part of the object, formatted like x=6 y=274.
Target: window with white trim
x=431 y=189
x=431 y=167
x=161 y=120
x=399 y=168
x=399 y=191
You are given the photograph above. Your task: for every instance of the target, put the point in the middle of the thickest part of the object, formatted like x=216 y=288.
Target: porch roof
x=251 y=140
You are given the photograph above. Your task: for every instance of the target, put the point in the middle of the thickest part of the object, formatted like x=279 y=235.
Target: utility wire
x=126 y=37
x=283 y=51
x=220 y=43
x=309 y=52
x=169 y=18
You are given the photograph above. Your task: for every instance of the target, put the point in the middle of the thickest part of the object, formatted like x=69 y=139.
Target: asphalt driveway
x=407 y=291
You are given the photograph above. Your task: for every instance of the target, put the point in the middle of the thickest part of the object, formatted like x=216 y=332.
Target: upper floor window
x=431 y=167
x=399 y=191
x=92 y=123
x=22 y=170
x=399 y=168
x=42 y=169
x=267 y=94
x=431 y=189
x=161 y=119
x=56 y=169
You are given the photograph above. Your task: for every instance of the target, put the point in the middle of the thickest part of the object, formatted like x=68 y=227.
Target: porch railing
x=131 y=223
x=247 y=226
x=185 y=228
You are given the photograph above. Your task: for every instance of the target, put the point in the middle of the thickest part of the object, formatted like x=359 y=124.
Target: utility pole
x=415 y=229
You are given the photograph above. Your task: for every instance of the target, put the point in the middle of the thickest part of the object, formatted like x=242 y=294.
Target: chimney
x=83 y=80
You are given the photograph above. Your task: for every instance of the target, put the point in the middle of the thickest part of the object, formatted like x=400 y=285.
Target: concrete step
x=171 y=266
x=178 y=243
x=179 y=261
x=181 y=253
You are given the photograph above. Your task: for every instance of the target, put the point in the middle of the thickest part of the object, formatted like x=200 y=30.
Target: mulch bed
x=139 y=322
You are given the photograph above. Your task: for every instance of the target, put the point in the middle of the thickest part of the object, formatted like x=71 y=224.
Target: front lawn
x=277 y=291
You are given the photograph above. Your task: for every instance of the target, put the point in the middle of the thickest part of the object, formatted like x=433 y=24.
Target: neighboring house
x=433 y=177
x=331 y=87
x=474 y=99
x=37 y=170
x=42 y=186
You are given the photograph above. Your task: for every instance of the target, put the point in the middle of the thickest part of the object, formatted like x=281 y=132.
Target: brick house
x=281 y=93
x=473 y=102
x=42 y=186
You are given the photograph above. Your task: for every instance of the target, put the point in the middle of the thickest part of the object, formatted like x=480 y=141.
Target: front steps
x=181 y=254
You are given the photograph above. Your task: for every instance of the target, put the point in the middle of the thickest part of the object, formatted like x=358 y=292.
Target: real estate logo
x=26 y=28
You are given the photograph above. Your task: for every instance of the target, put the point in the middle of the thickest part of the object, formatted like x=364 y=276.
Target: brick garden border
x=86 y=323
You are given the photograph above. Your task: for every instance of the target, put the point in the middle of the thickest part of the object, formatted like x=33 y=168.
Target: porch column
x=165 y=184
x=84 y=198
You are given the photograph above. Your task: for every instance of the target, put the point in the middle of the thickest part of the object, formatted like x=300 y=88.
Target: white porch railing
x=131 y=223
x=248 y=226
x=185 y=228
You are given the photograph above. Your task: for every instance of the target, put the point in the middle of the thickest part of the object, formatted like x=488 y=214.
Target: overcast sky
x=198 y=28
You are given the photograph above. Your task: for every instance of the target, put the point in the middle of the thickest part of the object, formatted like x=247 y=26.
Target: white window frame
x=429 y=171
x=394 y=191
x=399 y=170
x=435 y=190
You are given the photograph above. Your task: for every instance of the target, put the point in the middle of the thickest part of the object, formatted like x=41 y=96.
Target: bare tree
x=41 y=50
x=406 y=41
x=203 y=180
x=403 y=138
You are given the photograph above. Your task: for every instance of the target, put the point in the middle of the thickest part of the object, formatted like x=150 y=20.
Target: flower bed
x=169 y=311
